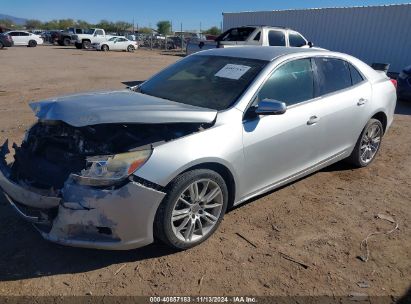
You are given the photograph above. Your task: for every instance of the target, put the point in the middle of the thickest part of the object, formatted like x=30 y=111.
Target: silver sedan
x=165 y=159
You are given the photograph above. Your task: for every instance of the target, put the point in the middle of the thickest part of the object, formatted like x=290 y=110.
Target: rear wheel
x=192 y=210
x=78 y=45
x=368 y=144
x=1 y=45
x=130 y=48
x=32 y=43
x=66 y=41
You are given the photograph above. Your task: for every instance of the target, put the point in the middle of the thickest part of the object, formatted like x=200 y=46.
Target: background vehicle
x=65 y=38
x=88 y=37
x=25 y=38
x=211 y=131
x=5 y=40
x=116 y=44
x=251 y=36
x=404 y=84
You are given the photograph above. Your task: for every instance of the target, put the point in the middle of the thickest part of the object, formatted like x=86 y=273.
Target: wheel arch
x=221 y=169
x=382 y=117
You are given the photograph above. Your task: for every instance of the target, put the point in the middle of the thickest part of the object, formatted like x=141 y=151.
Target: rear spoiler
x=383 y=67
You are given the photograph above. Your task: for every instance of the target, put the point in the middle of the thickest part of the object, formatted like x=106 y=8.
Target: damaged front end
x=76 y=184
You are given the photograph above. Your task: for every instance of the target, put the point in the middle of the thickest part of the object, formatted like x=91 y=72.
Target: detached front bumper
x=115 y=219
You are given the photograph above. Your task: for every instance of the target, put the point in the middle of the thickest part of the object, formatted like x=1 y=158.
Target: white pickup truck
x=90 y=36
x=251 y=36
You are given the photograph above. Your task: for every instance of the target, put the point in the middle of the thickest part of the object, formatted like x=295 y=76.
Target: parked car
x=404 y=84
x=116 y=44
x=86 y=39
x=165 y=159
x=251 y=36
x=5 y=40
x=25 y=38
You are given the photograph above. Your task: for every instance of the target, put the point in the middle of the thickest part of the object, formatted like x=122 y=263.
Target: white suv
x=25 y=38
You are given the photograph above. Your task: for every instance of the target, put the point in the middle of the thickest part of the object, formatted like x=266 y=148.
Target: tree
x=213 y=31
x=145 y=30
x=83 y=24
x=32 y=24
x=122 y=26
x=6 y=23
x=51 y=25
x=164 y=27
x=65 y=23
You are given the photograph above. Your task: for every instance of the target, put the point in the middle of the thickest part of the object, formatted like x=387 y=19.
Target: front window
x=293 y=82
x=213 y=82
x=296 y=40
x=112 y=39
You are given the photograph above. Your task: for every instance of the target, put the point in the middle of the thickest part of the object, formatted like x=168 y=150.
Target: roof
x=321 y=8
x=267 y=53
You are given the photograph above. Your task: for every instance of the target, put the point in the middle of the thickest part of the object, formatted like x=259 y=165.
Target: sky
x=191 y=13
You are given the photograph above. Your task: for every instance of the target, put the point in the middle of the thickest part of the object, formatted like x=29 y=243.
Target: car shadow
x=403 y=107
x=24 y=254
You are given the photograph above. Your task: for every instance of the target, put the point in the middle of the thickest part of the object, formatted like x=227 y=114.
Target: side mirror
x=310 y=44
x=270 y=107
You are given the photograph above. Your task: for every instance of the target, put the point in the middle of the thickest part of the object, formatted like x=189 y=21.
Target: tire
x=32 y=43
x=368 y=144
x=105 y=48
x=130 y=48
x=201 y=216
x=1 y=45
x=86 y=44
x=78 y=45
x=66 y=41
x=60 y=43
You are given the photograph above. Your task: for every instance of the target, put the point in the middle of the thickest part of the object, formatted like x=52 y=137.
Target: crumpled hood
x=123 y=106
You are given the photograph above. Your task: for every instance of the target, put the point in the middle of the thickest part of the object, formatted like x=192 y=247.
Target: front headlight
x=112 y=169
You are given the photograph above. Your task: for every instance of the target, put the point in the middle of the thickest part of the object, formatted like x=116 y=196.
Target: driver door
x=278 y=147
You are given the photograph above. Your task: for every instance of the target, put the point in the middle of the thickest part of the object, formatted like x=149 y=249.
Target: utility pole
x=182 y=36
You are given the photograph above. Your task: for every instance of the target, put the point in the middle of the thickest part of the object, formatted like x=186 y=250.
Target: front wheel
x=32 y=43
x=130 y=48
x=1 y=45
x=192 y=210
x=368 y=144
x=86 y=44
x=78 y=45
x=66 y=41
x=104 y=48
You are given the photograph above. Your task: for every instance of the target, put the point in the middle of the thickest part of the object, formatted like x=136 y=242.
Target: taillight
x=394 y=82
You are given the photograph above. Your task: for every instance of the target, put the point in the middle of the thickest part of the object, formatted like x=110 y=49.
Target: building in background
x=372 y=33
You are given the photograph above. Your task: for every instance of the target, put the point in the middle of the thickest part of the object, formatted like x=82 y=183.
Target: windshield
x=213 y=82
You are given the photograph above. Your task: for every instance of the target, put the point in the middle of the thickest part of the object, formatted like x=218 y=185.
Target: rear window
x=276 y=38
x=213 y=82
x=356 y=77
x=236 y=34
x=333 y=75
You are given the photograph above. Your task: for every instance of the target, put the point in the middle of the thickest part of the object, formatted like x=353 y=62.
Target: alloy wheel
x=370 y=143
x=197 y=210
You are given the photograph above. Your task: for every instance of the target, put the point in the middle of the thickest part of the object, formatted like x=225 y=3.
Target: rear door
x=24 y=38
x=344 y=94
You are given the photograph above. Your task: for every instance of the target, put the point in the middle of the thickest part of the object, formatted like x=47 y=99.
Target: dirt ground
x=318 y=221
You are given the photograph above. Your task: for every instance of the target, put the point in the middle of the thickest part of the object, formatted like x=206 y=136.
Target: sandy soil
x=318 y=221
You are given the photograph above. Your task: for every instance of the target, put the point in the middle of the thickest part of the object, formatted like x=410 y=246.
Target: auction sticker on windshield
x=232 y=71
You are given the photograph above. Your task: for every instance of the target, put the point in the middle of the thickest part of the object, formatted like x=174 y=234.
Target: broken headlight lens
x=109 y=170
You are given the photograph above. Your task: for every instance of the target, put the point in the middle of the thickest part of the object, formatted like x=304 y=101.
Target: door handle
x=361 y=102
x=313 y=120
